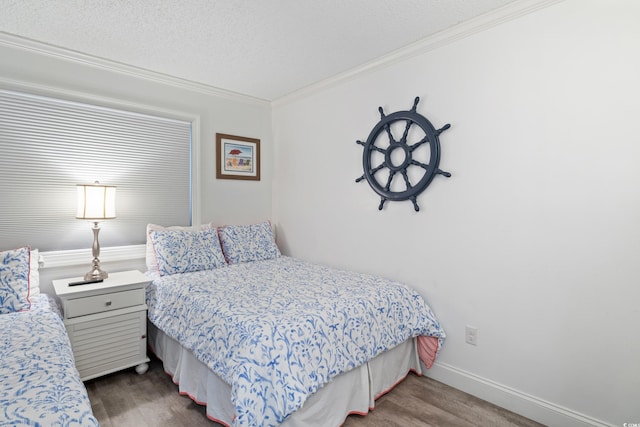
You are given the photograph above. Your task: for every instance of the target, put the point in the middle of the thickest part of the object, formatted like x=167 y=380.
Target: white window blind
x=47 y=146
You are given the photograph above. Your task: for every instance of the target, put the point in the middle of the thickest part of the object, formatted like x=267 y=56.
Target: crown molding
x=476 y=25
x=29 y=45
x=468 y=28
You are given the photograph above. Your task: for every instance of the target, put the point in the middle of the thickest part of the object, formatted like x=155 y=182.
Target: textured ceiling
x=262 y=48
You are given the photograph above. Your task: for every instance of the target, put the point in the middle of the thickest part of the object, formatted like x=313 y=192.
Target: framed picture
x=237 y=157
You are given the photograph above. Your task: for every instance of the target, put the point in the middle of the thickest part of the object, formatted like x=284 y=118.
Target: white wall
x=534 y=240
x=49 y=71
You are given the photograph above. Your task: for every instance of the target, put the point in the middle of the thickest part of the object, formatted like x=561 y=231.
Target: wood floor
x=126 y=399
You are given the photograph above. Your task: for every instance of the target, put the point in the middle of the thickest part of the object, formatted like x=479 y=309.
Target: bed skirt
x=353 y=392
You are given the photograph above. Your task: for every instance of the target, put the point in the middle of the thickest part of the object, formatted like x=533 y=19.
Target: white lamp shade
x=96 y=201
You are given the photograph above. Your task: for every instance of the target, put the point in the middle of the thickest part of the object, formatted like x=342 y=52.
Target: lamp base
x=96 y=274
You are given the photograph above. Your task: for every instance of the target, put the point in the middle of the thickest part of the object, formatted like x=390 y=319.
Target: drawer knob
x=108 y=303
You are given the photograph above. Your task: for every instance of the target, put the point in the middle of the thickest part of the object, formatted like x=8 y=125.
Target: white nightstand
x=106 y=322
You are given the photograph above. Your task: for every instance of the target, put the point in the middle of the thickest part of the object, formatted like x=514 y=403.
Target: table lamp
x=96 y=202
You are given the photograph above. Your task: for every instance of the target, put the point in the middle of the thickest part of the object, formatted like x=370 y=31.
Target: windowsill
x=72 y=257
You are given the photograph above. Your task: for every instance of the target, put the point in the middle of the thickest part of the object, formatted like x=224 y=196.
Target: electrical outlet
x=471 y=335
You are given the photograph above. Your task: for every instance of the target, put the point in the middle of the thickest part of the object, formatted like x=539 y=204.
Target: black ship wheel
x=414 y=157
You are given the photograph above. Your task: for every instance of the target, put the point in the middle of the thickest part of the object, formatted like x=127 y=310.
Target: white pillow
x=150 y=255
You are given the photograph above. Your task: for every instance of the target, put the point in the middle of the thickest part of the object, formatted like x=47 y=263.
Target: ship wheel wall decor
x=411 y=161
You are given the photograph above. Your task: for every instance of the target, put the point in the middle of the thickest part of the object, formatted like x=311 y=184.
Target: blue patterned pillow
x=150 y=254
x=184 y=251
x=14 y=280
x=244 y=243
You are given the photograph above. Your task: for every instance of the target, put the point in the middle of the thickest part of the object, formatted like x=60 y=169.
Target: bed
x=39 y=383
x=264 y=339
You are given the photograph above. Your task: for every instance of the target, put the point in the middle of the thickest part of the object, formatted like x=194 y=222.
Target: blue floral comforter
x=39 y=384
x=278 y=330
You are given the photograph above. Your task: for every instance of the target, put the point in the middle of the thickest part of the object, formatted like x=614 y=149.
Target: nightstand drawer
x=105 y=302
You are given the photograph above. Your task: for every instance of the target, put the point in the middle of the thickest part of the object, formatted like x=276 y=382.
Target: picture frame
x=237 y=157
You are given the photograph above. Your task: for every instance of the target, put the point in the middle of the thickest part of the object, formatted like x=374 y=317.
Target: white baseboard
x=534 y=408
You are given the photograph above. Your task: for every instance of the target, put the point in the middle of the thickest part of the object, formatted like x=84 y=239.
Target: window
x=47 y=146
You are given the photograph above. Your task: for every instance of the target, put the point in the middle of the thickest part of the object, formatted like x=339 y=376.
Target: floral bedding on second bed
x=278 y=330
x=39 y=384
